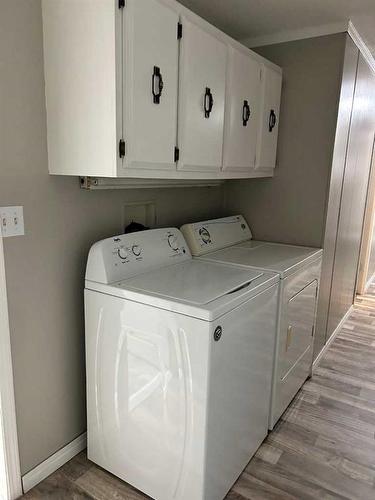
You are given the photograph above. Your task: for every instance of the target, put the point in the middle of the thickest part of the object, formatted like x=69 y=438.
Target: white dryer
x=179 y=359
x=229 y=240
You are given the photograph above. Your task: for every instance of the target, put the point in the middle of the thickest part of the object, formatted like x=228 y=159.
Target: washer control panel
x=127 y=255
x=208 y=236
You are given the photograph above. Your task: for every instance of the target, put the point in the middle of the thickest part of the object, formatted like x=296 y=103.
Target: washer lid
x=274 y=257
x=193 y=282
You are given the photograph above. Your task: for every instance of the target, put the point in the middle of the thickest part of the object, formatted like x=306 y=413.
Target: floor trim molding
x=54 y=462
x=332 y=338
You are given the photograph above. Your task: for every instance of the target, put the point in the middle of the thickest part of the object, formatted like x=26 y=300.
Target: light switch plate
x=11 y=220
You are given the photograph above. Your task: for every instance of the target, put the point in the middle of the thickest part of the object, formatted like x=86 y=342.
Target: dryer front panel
x=298 y=327
x=297 y=316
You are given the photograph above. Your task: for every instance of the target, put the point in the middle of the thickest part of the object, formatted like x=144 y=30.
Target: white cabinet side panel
x=82 y=85
x=242 y=111
x=150 y=49
x=269 y=118
x=202 y=66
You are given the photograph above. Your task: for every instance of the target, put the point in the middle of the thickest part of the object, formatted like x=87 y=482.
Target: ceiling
x=244 y=19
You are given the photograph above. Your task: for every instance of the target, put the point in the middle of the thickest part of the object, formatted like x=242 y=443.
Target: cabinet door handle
x=208 y=102
x=157 y=84
x=246 y=112
x=272 y=120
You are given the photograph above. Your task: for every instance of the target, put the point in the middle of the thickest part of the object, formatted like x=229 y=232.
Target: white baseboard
x=53 y=463
x=332 y=337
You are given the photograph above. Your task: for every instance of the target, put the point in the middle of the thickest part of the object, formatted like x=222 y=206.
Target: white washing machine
x=179 y=360
x=229 y=240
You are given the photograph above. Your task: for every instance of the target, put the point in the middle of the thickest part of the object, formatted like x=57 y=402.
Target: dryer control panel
x=210 y=235
x=127 y=255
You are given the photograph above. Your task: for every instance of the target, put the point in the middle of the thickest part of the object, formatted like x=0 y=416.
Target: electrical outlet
x=11 y=220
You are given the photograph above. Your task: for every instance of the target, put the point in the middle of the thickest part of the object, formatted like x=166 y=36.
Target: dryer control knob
x=122 y=253
x=137 y=250
x=173 y=242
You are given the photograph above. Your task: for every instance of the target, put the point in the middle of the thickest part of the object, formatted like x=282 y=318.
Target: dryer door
x=298 y=327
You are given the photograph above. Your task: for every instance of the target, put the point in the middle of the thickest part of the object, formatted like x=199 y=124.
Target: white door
x=201 y=99
x=150 y=84
x=241 y=111
x=269 y=119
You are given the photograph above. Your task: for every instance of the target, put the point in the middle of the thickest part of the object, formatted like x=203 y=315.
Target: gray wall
x=291 y=207
x=45 y=268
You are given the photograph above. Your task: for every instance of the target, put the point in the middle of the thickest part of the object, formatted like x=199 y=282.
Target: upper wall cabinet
x=111 y=86
x=145 y=88
x=242 y=111
x=269 y=118
x=202 y=98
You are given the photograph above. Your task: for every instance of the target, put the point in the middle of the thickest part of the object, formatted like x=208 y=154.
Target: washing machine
x=179 y=357
x=229 y=240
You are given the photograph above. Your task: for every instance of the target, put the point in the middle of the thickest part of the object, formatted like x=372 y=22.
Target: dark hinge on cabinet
x=121 y=148
x=176 y=154
x=179 y=31
x=121 y=4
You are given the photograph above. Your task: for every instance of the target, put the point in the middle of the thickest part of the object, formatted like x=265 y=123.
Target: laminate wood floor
x=322 y=448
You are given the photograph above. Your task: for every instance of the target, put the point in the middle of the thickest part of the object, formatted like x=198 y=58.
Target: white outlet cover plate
x=11 y=220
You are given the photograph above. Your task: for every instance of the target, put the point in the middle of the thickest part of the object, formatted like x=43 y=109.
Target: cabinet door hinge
x=121 y=148
x=176 y=154
x=121 y=4
x=179 y=31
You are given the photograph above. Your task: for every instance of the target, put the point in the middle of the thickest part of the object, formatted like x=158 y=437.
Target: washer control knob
x=122 y=253
x=173 y=242
x=137 y=250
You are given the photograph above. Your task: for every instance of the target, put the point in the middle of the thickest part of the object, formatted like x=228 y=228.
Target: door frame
x=368 y=231
x=8 y=426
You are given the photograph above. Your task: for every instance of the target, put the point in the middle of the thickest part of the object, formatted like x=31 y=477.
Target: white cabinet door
x=269 y=119
x=241 y=111
x=82 y=49
x=150 y=84
x=201 y=99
